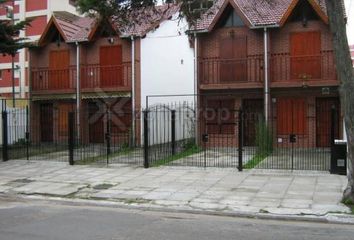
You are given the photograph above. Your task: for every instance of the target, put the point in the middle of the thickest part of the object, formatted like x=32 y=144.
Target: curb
x=328 y=218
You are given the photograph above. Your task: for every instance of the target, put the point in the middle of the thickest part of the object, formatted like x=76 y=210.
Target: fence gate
x=299 y=136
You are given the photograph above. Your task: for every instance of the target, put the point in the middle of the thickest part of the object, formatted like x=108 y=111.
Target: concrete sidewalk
x=221 y=191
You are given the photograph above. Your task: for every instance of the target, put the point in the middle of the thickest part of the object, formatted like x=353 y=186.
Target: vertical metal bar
x=5 y=156
x=108 y=136
x=27 y=133
x=333 y=122
x=173 y=131
x=240 y=140
x=71 y=121
x=146 y=139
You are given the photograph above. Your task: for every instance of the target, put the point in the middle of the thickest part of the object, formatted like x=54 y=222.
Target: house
x=39 y=12
x=95 y=69
x=274 y=60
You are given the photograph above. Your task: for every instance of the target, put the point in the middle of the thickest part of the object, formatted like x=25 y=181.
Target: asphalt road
x=47 y=220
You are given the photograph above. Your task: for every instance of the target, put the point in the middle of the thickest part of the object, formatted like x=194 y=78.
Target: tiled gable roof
x=75 y=28
x=146 y=20
x=257 y=12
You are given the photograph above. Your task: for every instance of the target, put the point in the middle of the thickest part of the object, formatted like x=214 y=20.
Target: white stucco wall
x=167 y=63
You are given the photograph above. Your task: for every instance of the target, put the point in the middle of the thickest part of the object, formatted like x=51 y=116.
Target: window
x=0 y=74
x=291 y=116
x=220 y=116
x=233 y=20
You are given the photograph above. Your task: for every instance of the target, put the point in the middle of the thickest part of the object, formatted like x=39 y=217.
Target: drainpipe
x=266 y=77
x=196 y=84
x=78 y=97
x=133 y=90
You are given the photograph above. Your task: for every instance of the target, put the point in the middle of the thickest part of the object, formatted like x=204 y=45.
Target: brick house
x=274 y=60
x=85 y=66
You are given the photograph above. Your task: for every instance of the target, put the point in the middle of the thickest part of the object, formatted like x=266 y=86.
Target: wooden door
x=111 y=66
x=253 y=114
x=96 y=124
x=324 y=121
x=59 y=62
x=305 y=55
x=221 y=116
x=46 y=121
x=233 y=59
x=291 y=116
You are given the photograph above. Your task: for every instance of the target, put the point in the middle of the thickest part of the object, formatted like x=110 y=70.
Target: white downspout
x=195 y=67
x=196 y=84
x=133 y=90
x=266 y=77
x=78 y=97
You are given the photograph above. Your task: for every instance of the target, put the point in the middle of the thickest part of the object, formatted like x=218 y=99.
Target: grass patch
x=103 y=157
x=188 y=152
x=264 y=143
x=349 y=203
x=258 y=158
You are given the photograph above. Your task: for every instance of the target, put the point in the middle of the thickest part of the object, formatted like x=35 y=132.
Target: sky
x=349 y=5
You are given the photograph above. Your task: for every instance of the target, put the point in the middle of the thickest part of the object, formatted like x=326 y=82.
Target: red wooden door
x=305 y=55
x=96 y=124
x=111 y=66
x=46 y=121
x=233 y=59
x=291 y=116
x=324 y=121
x=59 y=62
x=253 y=113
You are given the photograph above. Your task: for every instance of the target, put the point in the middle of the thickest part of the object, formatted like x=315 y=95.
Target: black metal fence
x=216 y=134
x=213 y=133
x=61 y=134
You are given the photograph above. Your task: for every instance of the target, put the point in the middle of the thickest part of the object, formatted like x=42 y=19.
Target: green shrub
x=264 y=139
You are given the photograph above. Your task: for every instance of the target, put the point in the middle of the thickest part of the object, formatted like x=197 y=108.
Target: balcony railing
x=114 y=77
x=231 y=71
x=283 y=68
x=286 y=68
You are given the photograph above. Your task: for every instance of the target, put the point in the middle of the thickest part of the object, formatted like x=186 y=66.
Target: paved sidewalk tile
x=277 y=192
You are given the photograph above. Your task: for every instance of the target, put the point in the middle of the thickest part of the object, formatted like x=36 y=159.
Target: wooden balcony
x=314 y=70
x=216 y=73
x=284 y=71
x=92 y=77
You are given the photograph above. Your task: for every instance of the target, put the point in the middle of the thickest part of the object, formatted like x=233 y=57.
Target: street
x=24 y=219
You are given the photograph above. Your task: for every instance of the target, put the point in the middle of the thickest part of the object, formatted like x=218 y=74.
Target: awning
x=97 y=95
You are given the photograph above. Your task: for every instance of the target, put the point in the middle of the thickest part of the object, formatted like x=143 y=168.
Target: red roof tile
x=258 y=13
x=146 y=20
x=75 y=28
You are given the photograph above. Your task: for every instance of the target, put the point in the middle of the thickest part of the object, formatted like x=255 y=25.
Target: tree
x=10 y=43
x=124 y=10
x=345 y=73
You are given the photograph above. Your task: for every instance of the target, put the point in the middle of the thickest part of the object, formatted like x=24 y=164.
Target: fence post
x=108 y=136
x=240 y=140
x=71 y=121
x=5 y=155
x=173 y=131
x=27 y=133
x=333 y=122
x=146 y=139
